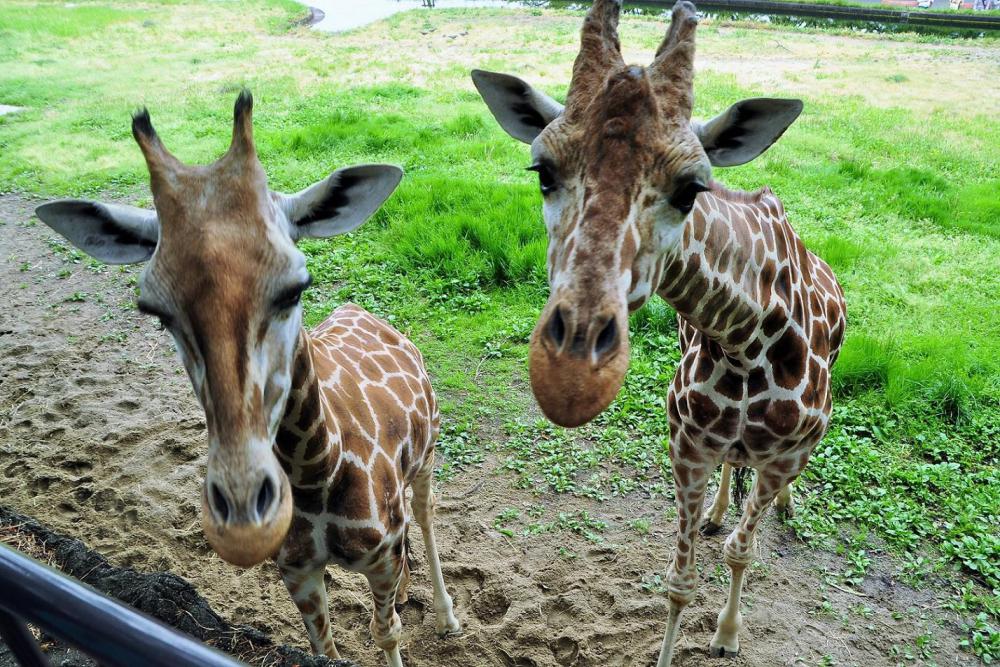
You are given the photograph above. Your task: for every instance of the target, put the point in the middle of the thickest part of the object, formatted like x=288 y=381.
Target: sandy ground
x=100 y=437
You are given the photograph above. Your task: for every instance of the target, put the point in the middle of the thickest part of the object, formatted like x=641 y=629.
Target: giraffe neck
x=308 y=444
x=719 y=277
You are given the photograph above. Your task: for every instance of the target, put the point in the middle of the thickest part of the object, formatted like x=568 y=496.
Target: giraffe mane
x=737 y=196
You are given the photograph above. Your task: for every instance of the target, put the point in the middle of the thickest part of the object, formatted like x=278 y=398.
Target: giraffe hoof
x=449 y=627
x=722 y=652
x=708 y=527
x=785 y=512
x=449 y=632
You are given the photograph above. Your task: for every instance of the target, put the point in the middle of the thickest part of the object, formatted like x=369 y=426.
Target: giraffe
x=313 y=436
x=631 y=209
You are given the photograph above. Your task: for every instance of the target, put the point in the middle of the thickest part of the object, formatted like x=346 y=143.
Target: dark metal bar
x=842 y=13
x=110 y=632
x=20 y=642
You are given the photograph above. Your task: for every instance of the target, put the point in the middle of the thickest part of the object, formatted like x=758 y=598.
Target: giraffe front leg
x=690 y=480
x=712 y=523
x=384 y=579
x=308 y=591
x=739 y=554
x=423 y=512
x=402 y=592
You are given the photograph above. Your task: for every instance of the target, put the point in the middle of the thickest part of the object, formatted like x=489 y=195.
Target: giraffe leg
x=783 y=503
x=423 y=512
x=712 y=523
x=308 y=591
x=386 y=628
x=402 y=597
x=682 y=581
x=738 y=553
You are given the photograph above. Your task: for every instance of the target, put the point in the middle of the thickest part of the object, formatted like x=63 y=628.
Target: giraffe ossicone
x=313 y=436
x=631 y=210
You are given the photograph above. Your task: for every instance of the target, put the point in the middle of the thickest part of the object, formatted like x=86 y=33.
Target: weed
x=983 y=640
x=458 y=448
x=640 y=526
x=653 y=583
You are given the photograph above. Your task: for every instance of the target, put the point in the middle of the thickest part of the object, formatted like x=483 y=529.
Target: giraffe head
x=223 y=275
x=620 y=167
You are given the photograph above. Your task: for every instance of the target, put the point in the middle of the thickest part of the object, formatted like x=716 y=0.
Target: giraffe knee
x=681 y=596
x=386 y=636
x=682 y=586
x=738 y=550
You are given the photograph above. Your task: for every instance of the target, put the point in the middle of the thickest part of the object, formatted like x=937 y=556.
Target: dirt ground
x=101 y=438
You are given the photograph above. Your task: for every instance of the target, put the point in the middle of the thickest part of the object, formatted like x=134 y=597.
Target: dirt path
x=100 y=437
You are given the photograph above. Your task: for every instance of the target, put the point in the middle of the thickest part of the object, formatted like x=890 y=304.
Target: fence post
x=20 y=641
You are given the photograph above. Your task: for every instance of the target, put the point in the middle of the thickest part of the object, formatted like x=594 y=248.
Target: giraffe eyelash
x=683 y=198
x=546 y=179
x=292 y=296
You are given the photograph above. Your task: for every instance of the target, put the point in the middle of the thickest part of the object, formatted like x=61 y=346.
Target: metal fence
x=110 y=632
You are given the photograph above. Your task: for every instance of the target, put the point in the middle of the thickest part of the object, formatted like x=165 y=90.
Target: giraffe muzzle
x=578 y=364
x=597 y=341
x=246 y=523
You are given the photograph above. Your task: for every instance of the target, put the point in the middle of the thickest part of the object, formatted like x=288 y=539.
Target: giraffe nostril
x=219 y=503
x=557 y=328
x=264 y=497
x=607 y=340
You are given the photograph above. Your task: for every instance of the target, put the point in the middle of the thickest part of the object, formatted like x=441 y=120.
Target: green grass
x=59 y=21
x=902 y=204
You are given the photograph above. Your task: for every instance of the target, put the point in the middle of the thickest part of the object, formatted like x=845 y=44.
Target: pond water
x=340 y=15
x=347 y=14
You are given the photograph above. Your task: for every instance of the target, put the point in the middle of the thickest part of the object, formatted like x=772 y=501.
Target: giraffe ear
x=746 y=129
x=111 y=233
x=341 y=202
x=520 y=109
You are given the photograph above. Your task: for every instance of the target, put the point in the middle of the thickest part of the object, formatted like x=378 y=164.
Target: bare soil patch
x=888 y=74
x=100 y=438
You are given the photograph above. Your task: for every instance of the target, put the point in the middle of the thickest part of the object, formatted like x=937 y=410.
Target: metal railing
x=108 y=631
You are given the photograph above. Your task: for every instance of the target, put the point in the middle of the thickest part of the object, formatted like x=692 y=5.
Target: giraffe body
x=746 y=396
x=631 y=210
x=359 y=428
x=313 y=437
x=362 y=416
x=753 y=383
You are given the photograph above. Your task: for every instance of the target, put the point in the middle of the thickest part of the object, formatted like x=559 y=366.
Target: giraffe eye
x=546 y=179
x=291 y=297
x=683 y=198
x=288 y=301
